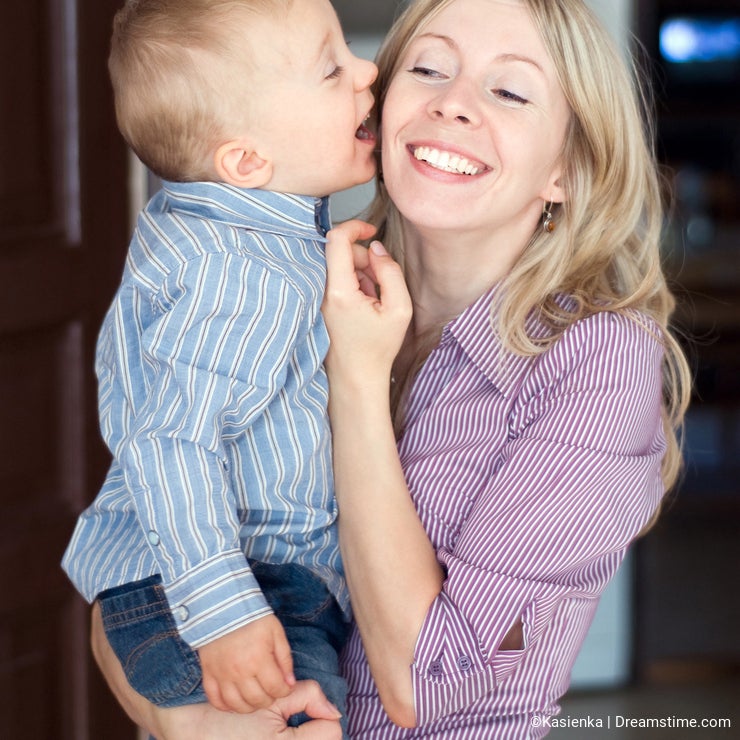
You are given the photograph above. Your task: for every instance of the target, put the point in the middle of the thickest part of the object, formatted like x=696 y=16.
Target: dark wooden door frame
x=64 y=227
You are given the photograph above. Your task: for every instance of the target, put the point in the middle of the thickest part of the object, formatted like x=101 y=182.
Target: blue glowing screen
x=700 y=39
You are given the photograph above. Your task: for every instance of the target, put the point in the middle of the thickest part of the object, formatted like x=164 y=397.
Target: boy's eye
x=336 y=72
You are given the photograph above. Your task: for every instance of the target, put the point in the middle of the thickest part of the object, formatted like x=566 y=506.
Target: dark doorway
x=63 y=233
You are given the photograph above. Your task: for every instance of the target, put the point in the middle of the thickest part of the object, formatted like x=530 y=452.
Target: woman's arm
x=204 y=722
x=392 y=569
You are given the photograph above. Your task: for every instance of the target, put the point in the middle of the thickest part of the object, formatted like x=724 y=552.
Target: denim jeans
x=162 y=667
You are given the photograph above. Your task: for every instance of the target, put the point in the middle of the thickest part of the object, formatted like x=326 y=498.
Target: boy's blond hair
x=180 y=71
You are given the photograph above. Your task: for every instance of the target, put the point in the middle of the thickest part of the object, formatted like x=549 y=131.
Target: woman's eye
x=336 y=72
x=425 y=72
x=510 y=96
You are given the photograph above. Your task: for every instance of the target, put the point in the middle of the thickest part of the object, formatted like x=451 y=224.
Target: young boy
x=217 y=515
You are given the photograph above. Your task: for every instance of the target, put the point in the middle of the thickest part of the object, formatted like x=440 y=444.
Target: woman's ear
x=237 y=163
x=555 y=192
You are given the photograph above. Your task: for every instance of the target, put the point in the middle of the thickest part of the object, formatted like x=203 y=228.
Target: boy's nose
x=367 y=73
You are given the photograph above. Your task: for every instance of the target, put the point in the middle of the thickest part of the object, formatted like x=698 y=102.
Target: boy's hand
x=248 y=668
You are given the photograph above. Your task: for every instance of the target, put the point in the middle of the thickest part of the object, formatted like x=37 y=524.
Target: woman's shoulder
x=626 y=342
x=608 y=325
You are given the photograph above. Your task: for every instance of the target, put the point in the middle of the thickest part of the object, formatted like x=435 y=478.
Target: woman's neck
x=446 y=273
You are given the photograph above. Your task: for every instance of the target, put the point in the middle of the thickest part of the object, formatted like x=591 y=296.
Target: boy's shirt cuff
x=214 y=598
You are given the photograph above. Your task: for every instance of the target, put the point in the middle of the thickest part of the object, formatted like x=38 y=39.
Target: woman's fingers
x=307 y=696
x=317 y=729
x=340 y=261
x=394 y=295
x=355 y=230
x=366 y=309
x=347 y=262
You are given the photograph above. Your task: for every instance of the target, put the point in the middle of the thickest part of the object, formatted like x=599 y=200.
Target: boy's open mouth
x=363 y=132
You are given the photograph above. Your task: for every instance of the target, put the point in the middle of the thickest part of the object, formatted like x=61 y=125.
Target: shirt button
x=464 y=663
x=182 y=613
x=435 y=669
x=153 y=537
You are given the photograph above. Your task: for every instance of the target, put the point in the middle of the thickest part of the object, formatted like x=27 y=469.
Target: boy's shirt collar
x=302 y=216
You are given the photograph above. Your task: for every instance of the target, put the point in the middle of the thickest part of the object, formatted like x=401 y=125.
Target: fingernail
x=378 y=248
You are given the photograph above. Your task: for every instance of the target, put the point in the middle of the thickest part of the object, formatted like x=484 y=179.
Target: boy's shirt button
x=182 y=613
x=153 y=538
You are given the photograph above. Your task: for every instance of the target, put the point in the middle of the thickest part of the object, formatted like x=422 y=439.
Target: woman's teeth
x=446 y=161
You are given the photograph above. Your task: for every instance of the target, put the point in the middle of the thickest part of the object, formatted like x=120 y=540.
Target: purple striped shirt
x=531 y=477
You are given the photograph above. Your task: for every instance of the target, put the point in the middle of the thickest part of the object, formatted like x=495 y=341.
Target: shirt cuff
x=450 y=664
x=457 y=660
x=215 y=598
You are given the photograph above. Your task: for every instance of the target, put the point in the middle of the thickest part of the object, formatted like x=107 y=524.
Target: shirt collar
x=474 y=331
x=302 y=216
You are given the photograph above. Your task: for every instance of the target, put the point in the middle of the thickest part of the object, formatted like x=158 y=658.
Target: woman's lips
x=447 y=161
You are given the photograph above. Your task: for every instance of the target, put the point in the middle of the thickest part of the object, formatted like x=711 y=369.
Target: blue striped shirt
x=213 y=402
x=532 y=476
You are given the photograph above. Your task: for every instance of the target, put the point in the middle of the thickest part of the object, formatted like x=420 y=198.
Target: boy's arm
x=217 y=353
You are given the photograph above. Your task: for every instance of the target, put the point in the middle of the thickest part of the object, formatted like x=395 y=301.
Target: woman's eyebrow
x=519 y=58
x=505 y=57
x=441 y=37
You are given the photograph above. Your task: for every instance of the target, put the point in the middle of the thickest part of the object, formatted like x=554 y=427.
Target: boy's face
x=311 y=96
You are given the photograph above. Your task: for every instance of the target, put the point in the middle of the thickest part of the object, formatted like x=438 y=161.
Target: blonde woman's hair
x=605 y=251
x=180 y=71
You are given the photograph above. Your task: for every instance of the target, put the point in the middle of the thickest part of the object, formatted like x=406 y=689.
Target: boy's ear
x=237 y=163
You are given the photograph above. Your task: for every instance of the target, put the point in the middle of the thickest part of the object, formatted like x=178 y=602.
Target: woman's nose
x=456 y=102
x=462 y=118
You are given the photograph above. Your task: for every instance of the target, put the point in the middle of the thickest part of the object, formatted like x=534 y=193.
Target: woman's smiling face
x=474 y=122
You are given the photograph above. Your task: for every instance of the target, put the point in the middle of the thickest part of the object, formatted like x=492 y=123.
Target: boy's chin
x=362 y=177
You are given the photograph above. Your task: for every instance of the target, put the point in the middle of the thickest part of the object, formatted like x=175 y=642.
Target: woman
x=537 y=390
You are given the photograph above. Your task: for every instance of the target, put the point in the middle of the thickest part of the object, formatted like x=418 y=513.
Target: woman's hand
x=204 y=722
x=366 y=307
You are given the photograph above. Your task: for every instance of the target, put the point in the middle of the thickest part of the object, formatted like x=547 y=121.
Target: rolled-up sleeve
x=576 y=478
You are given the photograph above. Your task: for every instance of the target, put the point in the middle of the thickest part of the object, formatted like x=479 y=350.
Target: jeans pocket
x=157 y=662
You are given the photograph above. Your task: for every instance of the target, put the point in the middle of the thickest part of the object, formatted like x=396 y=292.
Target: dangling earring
x=548 y=224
